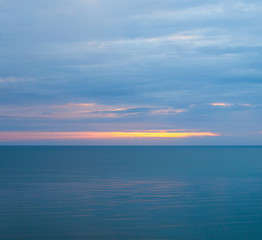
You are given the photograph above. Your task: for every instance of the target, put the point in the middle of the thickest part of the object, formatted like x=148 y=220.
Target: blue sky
x=132 y=66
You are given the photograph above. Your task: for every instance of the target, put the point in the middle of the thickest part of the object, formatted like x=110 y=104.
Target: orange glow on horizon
x=27 y=136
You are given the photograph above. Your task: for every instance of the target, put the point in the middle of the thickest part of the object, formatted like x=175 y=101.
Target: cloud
x=168 y=111
x=126 y=44
x=83 y=110
x=67 y=111
x=203 y=11
x=246 y=105
x=13 y=79
x=8 y=79
x=116 y=64
x=221 y=104
x=27 y=136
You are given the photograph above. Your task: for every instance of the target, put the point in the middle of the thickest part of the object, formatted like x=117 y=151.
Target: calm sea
x=154 y=193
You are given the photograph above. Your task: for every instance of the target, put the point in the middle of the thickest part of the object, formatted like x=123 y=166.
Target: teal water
x=78 y=193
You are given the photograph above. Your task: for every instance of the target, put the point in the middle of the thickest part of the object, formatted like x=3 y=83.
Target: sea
x=130 y=193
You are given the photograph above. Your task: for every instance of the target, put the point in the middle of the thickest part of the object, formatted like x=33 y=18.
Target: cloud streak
x=13 y=79
x=84 y=110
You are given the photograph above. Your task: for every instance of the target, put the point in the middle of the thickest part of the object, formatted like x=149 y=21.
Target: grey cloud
x=141 y=53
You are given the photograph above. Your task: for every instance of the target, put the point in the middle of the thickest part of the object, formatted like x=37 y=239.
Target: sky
x=121 y=72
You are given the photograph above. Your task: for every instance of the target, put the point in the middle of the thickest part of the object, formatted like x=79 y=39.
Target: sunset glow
x=27 y=136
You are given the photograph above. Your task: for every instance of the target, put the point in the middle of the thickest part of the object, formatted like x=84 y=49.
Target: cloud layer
x=97 y=65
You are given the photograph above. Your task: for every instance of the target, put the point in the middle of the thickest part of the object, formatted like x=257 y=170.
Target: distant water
x=154 y=193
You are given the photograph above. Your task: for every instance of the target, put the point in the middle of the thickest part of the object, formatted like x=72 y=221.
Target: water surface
x=71 y=193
